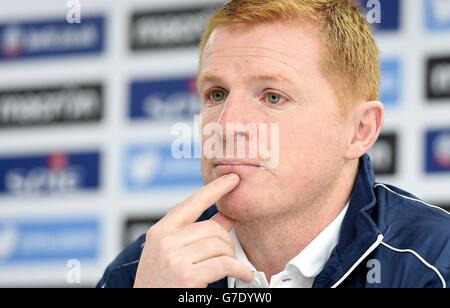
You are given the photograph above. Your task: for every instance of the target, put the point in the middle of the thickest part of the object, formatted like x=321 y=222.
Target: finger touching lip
x=241 y=169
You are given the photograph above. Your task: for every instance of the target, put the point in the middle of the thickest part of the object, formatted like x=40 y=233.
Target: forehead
x=285 y=47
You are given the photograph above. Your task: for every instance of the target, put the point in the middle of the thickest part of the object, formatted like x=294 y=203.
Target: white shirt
x=301 y=271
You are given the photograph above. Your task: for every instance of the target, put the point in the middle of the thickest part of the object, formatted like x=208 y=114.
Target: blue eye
x=274 y=98
x=217 y=95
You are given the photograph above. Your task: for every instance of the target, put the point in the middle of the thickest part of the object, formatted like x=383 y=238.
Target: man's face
x=270 y=75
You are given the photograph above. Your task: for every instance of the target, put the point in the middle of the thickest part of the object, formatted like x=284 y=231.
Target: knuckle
x=171 y=211
x=213 y=224
x=221 y=246
x=215 y=228
x=229 y=250
x=189 y=200
x=226 y=264
x=197 y=197
x=179 y=204
x=197 y=282
x=153 y=232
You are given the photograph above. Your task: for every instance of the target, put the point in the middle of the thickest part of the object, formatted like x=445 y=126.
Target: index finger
x=192 y=208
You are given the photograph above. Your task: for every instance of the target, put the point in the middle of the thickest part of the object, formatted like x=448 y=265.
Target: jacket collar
x=359 y=235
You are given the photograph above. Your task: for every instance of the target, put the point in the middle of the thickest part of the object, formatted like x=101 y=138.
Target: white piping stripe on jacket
x=121 y=267
x=377 y=243
x=410 y=250
x=444 y=284
x=368 y=252
x=380 y=241
x=409 y=198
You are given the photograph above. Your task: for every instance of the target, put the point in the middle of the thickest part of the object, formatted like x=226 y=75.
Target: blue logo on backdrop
x=46 y=174
x=438 y=151
x=22 y=40
x=391 y=84
x=49 y=240
x=164 y=99
x=437 y=14
x=389 y=10
x=148 y=166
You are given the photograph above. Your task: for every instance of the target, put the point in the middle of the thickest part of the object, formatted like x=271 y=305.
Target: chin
x=240 y=205
x=248 y=199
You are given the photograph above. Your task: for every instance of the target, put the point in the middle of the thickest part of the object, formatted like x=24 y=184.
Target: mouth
x=242 y=168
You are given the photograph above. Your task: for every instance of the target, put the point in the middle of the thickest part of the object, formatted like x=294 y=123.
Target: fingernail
x=254 y=278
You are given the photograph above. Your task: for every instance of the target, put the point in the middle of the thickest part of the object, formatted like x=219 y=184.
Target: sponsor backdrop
x=87 y=109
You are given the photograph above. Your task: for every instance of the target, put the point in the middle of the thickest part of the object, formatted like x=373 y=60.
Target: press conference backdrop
x=86 y=112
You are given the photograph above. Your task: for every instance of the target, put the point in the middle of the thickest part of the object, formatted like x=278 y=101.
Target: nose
x=237 y=112
x=238 y=125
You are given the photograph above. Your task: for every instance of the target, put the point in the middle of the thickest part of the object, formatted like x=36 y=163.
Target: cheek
x=210 y=114
x=309 y=143
x=204 y=168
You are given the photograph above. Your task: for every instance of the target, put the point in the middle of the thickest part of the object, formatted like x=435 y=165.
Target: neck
x=271 y=242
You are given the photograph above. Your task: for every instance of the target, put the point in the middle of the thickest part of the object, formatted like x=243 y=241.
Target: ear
x=368 y=119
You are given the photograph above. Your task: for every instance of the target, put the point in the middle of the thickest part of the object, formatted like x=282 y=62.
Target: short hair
x=350 y=58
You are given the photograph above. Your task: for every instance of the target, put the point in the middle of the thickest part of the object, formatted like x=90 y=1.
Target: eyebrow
x=208 y=78
x=252 y=77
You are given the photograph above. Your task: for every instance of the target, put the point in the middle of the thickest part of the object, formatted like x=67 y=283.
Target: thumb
x=224 y=221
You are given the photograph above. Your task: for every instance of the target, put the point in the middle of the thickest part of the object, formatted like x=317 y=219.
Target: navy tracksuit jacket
x=388 y=238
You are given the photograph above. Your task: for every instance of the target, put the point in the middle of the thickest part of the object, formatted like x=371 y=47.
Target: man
x=317 y=218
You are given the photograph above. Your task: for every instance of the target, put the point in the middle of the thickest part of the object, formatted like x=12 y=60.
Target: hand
x=180 y=253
